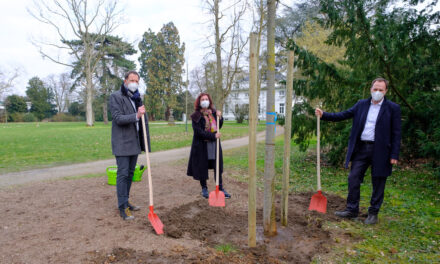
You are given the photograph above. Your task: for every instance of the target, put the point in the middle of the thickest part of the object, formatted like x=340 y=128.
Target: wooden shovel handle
x=217 y=154
x=318 y=152
x=150 y=183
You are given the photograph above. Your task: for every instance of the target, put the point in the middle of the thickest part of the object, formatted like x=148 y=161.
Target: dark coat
x=387 y=133
x=198 y=158
x=126 y=140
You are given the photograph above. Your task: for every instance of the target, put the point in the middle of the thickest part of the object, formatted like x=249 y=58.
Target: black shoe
x=227 y=195
x=346 y=214
x=133 y=207
x=205 y=193
x=126 y=214
x=371 y=219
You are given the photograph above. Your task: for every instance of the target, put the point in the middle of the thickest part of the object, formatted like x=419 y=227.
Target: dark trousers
x=126 y=167
x=211 y=164
x=361 y=160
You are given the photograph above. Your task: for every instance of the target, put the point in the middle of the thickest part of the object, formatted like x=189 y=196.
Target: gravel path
x=23 y=177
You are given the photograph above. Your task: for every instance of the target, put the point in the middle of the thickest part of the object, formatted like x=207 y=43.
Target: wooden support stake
x=253 y=119
x=287 y=139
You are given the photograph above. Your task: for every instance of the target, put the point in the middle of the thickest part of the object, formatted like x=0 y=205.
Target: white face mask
x=132 y=87
x=377 y=96
x=204 y=104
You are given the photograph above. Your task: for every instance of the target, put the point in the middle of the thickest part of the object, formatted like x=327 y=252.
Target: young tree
x=259 y=25
x=269 y=222
x=89 y=24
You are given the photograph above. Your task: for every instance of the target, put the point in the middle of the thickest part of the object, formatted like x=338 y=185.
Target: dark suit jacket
x=387 y=133
x=126 y=140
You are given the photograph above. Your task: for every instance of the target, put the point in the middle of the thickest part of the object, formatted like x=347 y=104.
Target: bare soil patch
x=76 y=221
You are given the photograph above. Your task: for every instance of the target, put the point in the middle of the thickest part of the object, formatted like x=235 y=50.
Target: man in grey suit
x=127 y=138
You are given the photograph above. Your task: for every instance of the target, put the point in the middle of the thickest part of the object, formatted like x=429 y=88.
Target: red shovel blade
x=217 y=198
x=318 y=203
x=155 y=221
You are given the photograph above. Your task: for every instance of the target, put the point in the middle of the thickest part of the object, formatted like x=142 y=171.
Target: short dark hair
x=131 y=72
x=380 y=79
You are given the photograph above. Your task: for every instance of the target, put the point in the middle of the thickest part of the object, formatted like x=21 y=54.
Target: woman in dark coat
x=203 y=148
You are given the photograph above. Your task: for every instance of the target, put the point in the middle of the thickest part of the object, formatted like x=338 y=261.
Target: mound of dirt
x=77 y=221
x=303 y=238
x=297 y=243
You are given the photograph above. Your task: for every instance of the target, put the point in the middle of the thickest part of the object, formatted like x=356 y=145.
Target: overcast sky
x=18 y=28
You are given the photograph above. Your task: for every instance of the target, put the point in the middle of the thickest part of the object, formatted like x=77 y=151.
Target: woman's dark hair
x=197 y=102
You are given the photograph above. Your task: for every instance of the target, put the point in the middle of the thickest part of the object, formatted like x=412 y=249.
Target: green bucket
x=137 y=176
x=112 y=174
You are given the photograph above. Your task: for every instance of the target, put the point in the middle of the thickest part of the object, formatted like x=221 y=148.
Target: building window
x=226 y=109
x=246 y=95
x=281 y=93
x=281 y=108
x=258 y=108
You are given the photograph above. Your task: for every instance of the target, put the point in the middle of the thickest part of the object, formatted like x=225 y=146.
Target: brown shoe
x=126 y=214
x=133 y=207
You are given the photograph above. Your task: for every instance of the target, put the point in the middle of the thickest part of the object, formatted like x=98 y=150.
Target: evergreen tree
x=16 y=104
x=161 y=60
x=110 y=69
x=41 y=98
x=401 y=44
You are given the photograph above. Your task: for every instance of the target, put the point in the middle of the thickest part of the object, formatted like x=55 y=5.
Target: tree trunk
x=89 y=99
x=260 y=32
x=218 y=55
x=269 y=223
x=104 y=112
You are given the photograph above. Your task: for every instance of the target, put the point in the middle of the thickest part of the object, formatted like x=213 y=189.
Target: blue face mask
x=377 y=96
x=132 y=87
x=204 y=104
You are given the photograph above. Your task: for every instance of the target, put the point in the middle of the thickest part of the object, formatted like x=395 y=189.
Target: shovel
x=154 y=219
x=217 y=197
x=318 y=201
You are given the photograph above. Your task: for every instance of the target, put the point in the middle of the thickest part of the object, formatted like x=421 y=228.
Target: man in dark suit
x=374 y=141
x=127 y=138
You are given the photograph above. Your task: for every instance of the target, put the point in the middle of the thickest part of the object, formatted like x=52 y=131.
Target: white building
x=239 y=95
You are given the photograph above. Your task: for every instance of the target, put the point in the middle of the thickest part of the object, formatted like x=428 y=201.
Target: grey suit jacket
x=126 y=140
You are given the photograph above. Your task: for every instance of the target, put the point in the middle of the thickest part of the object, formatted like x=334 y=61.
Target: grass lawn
x=409 y=222
x=32 y=145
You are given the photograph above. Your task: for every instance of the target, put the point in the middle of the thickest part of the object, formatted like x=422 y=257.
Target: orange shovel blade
x=155 y=221
x=318 y=203
x=217 y=198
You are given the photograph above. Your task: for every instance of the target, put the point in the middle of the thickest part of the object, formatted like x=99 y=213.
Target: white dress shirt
x=370 y=124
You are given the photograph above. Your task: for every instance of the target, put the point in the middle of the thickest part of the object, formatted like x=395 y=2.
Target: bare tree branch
x=89 y=25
